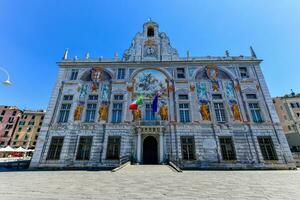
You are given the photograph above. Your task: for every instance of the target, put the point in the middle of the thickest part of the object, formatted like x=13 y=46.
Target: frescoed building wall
x=212 y=112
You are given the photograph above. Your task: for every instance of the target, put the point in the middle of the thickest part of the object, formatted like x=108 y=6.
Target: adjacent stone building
x=198 y=112
x=288 y=109
x=27 y=129
x=9 y=116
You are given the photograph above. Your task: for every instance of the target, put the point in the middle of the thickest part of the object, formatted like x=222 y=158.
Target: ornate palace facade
x=213 y=112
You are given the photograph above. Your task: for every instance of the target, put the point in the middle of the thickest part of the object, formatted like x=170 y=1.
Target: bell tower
x=150 y=45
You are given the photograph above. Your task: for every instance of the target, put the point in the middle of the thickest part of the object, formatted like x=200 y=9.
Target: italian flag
x=134 y=105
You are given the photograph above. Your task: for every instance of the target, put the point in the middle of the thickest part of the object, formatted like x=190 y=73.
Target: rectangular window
x=113 y=147
x=118 y=97
x=251 y=96
x=19 y=129
x=74 y=74
x=5 y=133
x=33 y=117
x=21 y=123
x=14 y=113
x=64 y=113
x=30 y=123
x=180 y=73
x=84 y=148
x=68 y=97
x=17 y=136
x=29 y=129
x=8 y=126
x=55 y=148
x=93 y=97
x=121 y=73
x=255 y=112
x=90 y=112
x=1 y=118
x=227 y=148
x=117 y=113
x=184 y=112
x=183 y=97
x=244 y=72
x=3 y=112
x=295 y=105
x=149 y=114
x=267 y=148
x=188 y=148
x=216 y=96
x=11 y=120
x=220 y=112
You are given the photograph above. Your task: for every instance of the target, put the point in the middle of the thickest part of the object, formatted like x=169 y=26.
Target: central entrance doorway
x=150 y=150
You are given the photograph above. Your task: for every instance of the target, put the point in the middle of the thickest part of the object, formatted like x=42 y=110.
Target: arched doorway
x=150 y=150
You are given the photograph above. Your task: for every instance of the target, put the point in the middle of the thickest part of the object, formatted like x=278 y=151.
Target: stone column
x=139 y=141
x=161 y=148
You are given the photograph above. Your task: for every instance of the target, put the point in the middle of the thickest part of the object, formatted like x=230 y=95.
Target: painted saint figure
x=236 y=112
x=103 y=112
x=137 y=114
x=77 y=113
x=204 y=110
x=163 y=112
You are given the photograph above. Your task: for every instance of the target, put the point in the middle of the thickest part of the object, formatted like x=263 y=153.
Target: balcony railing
x=150 y=123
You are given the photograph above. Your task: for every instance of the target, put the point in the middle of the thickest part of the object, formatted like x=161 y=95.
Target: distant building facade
x=27 y=129
x=288 y=109
x=212 y=112
x=9 y=116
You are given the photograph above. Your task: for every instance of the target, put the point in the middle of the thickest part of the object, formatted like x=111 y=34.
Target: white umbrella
x=21 y=149
x=7 y=149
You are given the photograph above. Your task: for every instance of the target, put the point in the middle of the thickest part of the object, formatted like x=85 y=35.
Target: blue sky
x=34 y=34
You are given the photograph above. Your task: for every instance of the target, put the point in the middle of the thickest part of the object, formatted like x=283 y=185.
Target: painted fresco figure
x=204 y=110
x=215 y=86
x=201 y=91
x=83 y=92
x=236 y=112
x=77 y=113
x=137 y=114
x=230 y=89
x=94 y=87
x=163 y=112
x=103 y=112
x=105 y=92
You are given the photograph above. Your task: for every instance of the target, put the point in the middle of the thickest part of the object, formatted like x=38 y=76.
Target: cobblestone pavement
x=150 y=182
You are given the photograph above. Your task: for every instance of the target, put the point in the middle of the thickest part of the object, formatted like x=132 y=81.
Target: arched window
x=150 y=32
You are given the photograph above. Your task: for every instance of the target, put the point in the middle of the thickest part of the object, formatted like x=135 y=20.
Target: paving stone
x=149 y=182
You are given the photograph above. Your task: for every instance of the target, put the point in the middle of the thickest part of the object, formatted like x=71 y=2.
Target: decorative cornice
x=78 y=63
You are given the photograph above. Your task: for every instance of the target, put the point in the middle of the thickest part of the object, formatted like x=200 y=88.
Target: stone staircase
x=296 y=156
x=146 y=169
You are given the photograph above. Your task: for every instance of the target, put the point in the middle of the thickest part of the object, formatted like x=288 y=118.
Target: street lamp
x=7 y=81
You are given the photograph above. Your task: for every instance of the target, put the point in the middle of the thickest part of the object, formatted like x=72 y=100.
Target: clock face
x=150 y=51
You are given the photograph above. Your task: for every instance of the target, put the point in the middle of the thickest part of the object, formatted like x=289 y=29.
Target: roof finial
x=149 y=19
x=65 y=57
x=292 y=92
x=87 y=55
x=116 y=56
x=227 y=53
x=252 y=52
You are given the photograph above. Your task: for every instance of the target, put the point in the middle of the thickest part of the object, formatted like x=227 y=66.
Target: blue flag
x=154 y=104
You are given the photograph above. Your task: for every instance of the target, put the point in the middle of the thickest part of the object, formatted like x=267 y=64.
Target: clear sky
x=34 y=34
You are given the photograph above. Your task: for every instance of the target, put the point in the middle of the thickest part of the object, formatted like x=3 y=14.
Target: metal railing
x=124 y=159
